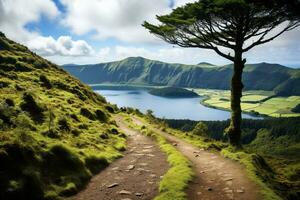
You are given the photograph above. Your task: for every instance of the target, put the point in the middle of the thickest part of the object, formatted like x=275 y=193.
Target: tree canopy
x=226 y=24
x=230 y=28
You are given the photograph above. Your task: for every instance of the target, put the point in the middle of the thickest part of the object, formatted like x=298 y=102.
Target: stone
x=143 y=164
x=152 y=175
x=229 y=183
x=199 y=193
x=112 y=185
x=125 y=192
x=115 y=168
x=229 y=191
x=240 y=191
x=130 y=167
x=126 y=199
x=138 y=194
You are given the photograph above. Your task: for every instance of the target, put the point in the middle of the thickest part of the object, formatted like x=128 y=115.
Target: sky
x=95 y=31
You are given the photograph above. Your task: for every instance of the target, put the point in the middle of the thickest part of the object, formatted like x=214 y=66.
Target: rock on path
x=135 y=176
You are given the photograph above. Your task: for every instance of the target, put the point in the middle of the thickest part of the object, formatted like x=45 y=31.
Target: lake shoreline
x=163 y=107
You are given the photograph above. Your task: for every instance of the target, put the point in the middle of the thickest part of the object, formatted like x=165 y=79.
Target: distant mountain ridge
x=283 y=80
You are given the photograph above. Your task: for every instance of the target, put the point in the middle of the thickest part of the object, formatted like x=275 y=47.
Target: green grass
x=47 y=144
x=253 y=102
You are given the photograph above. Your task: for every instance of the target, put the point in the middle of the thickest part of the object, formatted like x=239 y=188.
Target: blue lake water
x=170 y=108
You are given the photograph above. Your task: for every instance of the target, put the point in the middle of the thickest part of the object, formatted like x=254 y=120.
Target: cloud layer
x=63 y=46
x=102 y=21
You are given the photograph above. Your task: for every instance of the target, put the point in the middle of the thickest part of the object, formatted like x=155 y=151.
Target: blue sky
x=93 y=31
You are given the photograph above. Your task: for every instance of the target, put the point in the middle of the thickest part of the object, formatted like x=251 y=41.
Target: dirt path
x=135 y=176
x=216 y=178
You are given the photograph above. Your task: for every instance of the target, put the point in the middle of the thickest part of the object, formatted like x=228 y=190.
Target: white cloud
x=63 y=46
x=120 y=19
x=15 y=14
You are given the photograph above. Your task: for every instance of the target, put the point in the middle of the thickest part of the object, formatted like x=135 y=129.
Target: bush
x=3 y=84
x=88 y=114
x=64 y=124
x=7 y=113
x=110 y=109
x=69 y=190
x=101 y=116
x=200 y=129
x=96 y=164
x=52 y=133
x=62 y=166
x=296 y=109
x=30 y=105
x=83 y=126
x=114 y=131
x=22 y=67
x=22 y=121
x=10 y=102
x=45 y=82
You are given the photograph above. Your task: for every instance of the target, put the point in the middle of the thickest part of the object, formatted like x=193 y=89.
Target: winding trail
x=135 y=176
x=216 y=178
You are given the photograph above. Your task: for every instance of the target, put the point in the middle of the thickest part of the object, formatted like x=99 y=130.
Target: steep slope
x=54 y=131
x=204 y=75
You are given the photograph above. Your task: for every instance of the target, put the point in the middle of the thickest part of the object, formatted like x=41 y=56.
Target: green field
x=260 y=102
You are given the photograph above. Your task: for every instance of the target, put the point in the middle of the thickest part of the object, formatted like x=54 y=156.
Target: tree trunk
x=234 y=130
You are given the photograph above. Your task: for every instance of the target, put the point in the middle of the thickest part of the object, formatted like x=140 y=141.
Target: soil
x=135 y=176
x=216 y=177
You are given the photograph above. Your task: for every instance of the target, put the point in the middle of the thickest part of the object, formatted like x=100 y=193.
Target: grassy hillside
x=54 y=131
x=282 y=80
x=173 y=92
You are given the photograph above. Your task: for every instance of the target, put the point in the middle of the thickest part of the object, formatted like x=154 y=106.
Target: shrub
x=88 y=114
x=114 y=131
x=52 y=133
x=76 y=132
x=83 y=126
x=22 y=67
x=45 y=82
x=10 y=102
x=64 y=124
x=296 y=109
x=3 y=84
x=74 y=116
x=104 y=136
x=7 y=113
x=101 y=116
x=23 y=122
x=200 y=129
x=19 y=88
x=30 y=105
x=63 y=166
x=110 y=109
x=96 y=164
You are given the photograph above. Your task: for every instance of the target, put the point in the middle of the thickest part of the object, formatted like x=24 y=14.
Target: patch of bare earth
x=135 y=176
x=216 y=178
